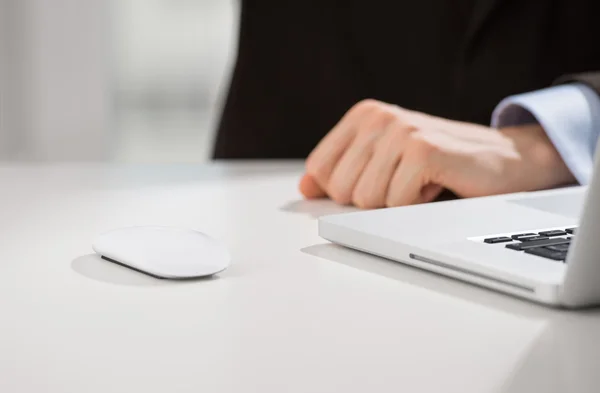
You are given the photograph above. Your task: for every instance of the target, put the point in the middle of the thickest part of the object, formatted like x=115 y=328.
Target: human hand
x=381 y=155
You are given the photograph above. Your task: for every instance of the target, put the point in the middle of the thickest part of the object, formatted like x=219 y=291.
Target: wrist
x=539 y=156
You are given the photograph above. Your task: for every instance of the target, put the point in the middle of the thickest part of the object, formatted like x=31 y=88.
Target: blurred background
x=113 y=80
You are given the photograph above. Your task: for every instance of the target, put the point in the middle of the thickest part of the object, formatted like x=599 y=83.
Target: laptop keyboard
x=552 y=244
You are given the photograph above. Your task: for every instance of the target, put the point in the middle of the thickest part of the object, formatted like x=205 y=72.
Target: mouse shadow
x=436 y=282
x=93 y=267
x=316 y=208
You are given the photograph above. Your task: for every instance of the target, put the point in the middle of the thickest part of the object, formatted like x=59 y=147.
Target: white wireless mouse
x=164 y=252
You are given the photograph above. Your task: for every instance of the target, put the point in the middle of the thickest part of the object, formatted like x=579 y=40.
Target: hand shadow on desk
x=93 y=267
x=316 y=208
x=323 y=207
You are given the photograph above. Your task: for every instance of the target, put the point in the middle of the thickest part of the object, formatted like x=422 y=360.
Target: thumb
x=310 y=189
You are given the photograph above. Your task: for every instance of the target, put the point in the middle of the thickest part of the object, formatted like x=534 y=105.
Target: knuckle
x=397 y=133
x=359 y=200
x=339 y=195
x=386 y=116
x=421 y=144
x=364 y=202
x=391 y=203
x=403 y=129
x=365 y=199
x=367 y=105
x=379 y=121
x=367 y=129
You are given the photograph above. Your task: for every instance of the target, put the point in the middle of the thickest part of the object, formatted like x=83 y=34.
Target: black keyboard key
x=495 y=240
x=553 y=233
x=571 y=231
x=545 y=253
x=519 y=236
x=533 y=238
x=538 y=243
x=559 y=247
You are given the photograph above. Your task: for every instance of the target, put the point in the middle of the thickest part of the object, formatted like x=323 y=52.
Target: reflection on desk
x=564 y=357
x=564 y=354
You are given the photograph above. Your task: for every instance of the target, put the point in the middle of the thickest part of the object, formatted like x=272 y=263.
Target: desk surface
x=292 y=314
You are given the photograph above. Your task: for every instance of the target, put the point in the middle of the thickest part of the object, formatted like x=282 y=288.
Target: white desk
x=292 y=314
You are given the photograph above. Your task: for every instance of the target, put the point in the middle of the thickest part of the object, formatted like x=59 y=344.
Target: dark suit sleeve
x=591 y=79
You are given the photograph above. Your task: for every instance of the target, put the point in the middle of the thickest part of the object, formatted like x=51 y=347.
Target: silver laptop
x=543 y=246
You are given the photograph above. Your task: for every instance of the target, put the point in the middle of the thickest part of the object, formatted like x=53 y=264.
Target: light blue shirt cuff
x=570 y=115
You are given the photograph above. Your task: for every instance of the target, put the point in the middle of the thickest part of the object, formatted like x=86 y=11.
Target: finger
x=323 y=159
x=430 y=192
x=406 y=184
x=352 y=164
x=416 y=170
x=310 y=188
x=372 y=187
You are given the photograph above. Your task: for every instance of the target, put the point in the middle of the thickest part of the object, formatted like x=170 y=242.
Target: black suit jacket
x=591 y=79
x=302 y=64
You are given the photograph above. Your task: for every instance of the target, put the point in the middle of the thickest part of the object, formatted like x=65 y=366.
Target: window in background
x=55 y=84
x=173 y=60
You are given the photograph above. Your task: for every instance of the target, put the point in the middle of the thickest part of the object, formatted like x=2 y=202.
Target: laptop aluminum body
x=450 y=237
